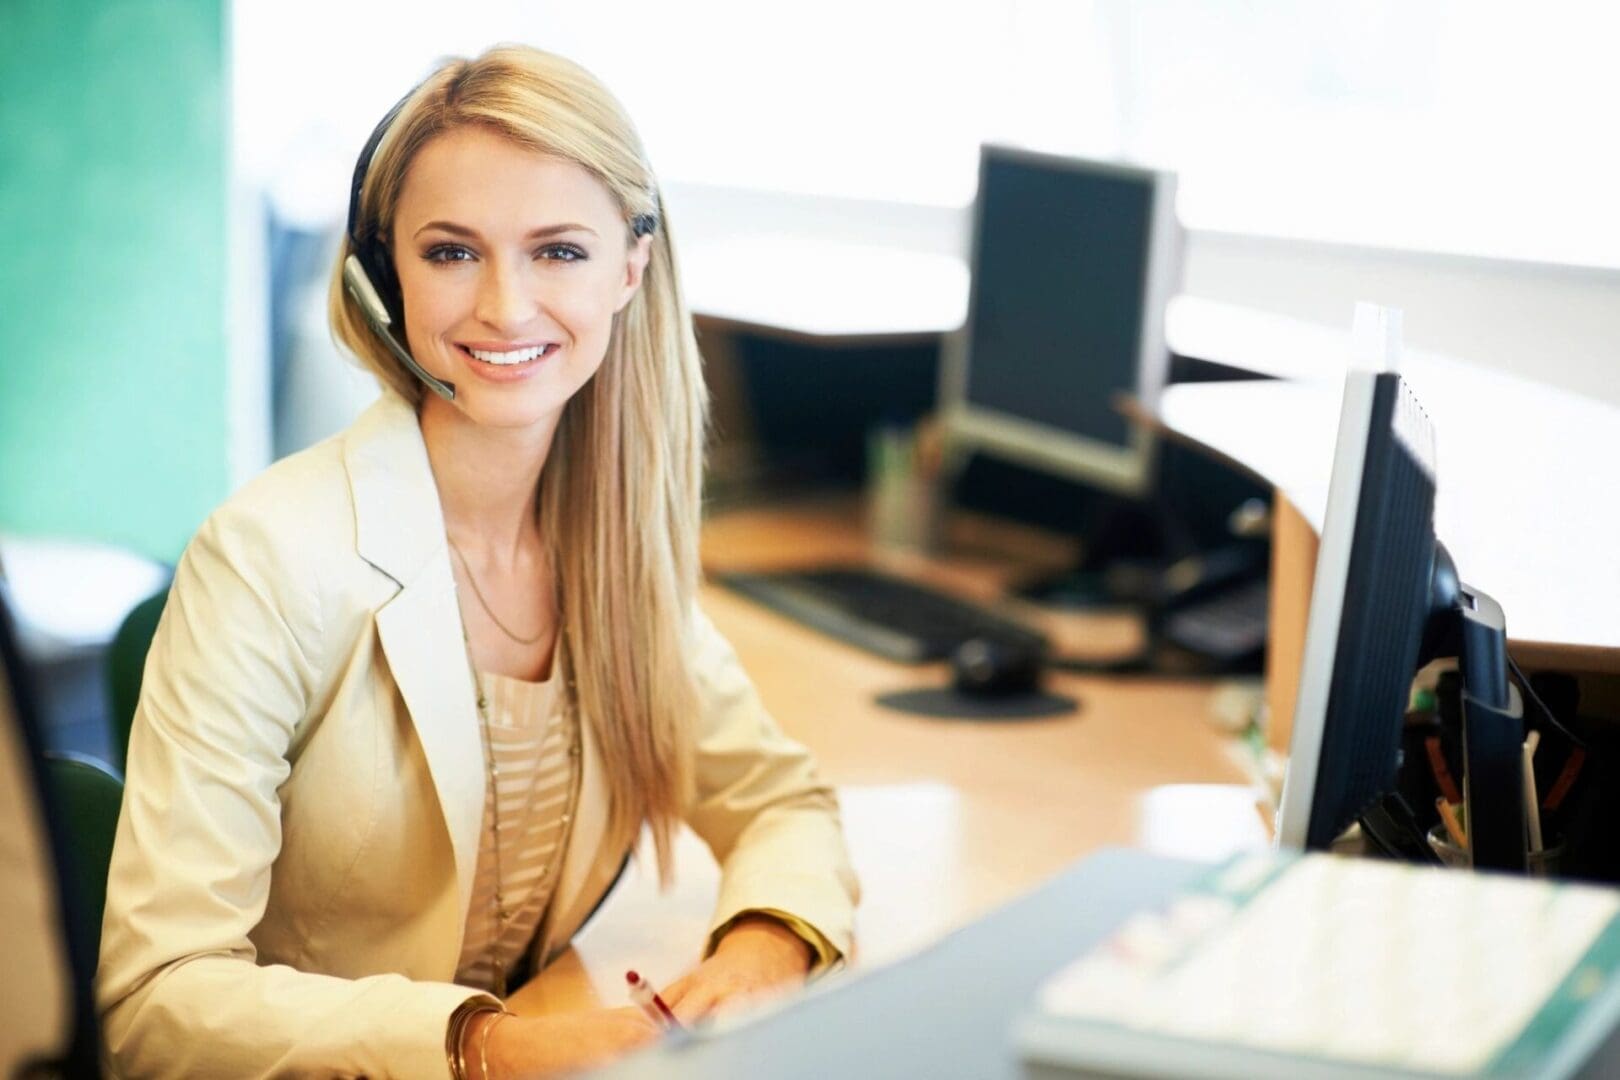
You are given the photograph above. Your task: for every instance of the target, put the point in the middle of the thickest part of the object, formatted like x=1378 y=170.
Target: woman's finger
x=698 y=1002
x=675 y=991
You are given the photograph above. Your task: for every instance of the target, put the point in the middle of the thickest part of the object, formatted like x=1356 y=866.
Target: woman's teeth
x=516 y=356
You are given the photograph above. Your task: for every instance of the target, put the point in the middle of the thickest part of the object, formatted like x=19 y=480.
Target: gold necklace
x=498 y=902
x=473 y=581
x=498 y=969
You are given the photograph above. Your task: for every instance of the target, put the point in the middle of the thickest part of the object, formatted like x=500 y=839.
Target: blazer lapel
x=399 y=529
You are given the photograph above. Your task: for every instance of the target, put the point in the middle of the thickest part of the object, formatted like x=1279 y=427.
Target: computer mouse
x=989 y=667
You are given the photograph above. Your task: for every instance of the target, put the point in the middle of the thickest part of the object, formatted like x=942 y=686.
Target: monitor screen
x=1370 y=602
x=1073 y=264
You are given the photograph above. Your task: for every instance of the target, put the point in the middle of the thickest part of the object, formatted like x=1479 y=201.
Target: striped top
x=536 y=750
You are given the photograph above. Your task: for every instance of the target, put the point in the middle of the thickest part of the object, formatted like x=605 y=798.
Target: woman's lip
x=505 y=346
x=498 y=373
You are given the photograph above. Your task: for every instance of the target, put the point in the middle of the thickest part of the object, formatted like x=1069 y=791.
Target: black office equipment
x=996 y=668
x=1073 y=266
x=1228 y=627
x=887 y=615
x=1386 y=600
x=992 y=679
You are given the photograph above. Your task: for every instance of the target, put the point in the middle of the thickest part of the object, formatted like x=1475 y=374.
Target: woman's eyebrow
x=534 y=234
x=556 y=230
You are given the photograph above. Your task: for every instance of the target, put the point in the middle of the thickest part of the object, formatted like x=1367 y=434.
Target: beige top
x=536 y=751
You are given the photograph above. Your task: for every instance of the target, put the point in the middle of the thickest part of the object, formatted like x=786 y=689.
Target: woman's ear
x=635 y=268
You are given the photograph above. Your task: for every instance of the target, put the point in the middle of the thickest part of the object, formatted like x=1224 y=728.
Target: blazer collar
x=399 y=525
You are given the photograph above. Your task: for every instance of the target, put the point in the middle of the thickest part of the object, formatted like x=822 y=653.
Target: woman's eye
x=447 y=253
x=562 y=253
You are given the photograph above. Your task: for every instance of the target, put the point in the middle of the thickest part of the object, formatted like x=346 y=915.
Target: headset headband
x=363 y=166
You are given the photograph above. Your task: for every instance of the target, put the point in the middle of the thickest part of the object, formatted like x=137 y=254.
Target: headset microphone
x=376 y=314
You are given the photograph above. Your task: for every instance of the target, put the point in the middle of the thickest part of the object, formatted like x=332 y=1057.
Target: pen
x=651 y=1004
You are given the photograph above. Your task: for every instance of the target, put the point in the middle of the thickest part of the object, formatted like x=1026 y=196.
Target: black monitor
x=1385 y=601
x=1073 y=264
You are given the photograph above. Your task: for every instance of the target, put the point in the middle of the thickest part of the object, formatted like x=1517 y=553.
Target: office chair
x=87 y=797
x=126 y=659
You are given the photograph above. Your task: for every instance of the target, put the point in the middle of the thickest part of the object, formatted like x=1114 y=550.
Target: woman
x=484 y=587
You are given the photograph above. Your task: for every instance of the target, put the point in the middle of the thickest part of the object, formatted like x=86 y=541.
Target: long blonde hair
x=621 y=489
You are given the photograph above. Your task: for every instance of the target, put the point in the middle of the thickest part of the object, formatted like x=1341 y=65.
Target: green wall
x=113 y=167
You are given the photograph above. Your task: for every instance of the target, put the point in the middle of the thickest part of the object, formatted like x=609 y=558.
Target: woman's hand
x=541 y=1046
x=758 y=958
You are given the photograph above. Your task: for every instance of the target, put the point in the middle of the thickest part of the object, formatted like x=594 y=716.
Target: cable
x=1548 y=713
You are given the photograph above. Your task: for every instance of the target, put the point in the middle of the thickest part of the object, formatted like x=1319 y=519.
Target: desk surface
x=945 y=820
x=1528 y=486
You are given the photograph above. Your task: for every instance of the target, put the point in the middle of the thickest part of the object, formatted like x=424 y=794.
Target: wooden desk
x=945 y=819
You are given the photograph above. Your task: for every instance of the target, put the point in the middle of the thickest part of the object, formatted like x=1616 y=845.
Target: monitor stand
x=1470 y=625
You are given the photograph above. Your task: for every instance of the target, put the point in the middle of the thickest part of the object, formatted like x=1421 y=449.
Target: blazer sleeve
x=226 y=684
x=762 y=807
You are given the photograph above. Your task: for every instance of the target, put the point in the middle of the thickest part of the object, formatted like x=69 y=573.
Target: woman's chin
x=513 y=412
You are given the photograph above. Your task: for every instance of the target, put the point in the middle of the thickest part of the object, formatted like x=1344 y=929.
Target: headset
x=369 y=275
x=368 y=272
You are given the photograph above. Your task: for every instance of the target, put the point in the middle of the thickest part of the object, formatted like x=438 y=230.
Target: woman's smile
x=513 y=354
x=507 y=363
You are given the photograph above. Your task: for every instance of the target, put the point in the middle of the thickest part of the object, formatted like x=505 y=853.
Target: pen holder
x=902 y=490
x=1543 y=863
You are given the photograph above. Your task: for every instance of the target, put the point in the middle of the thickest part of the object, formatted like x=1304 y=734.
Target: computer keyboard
x=883 y=614
x=1226 y=627
x=1321 y=965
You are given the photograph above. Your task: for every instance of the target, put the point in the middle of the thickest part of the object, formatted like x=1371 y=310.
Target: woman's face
x=512 y=265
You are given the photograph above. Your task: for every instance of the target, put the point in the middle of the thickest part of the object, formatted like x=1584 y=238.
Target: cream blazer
x=305 y=788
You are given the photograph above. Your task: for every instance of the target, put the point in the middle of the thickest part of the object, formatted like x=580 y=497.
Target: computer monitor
x=1385 y=600
x=1073 y=264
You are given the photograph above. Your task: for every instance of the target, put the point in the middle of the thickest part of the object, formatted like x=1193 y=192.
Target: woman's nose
x=506 y=299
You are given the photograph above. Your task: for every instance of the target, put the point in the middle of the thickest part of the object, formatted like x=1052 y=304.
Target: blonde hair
x=621 y=489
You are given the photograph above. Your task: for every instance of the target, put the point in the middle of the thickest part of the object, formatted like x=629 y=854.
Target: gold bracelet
x=483 y=1045
x=455 y=1035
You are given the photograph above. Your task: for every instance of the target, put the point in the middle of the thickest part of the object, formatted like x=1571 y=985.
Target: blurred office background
x=173 y=178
